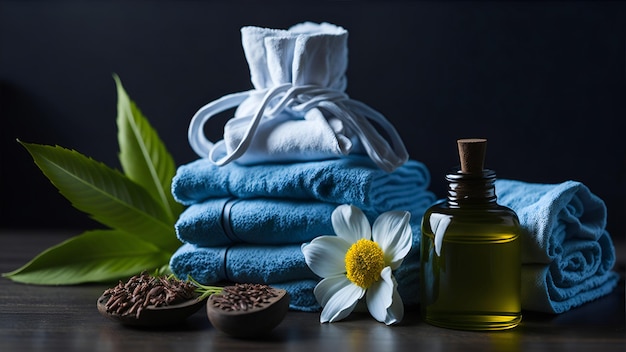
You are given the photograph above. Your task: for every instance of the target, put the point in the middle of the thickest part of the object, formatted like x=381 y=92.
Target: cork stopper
x=472 y=154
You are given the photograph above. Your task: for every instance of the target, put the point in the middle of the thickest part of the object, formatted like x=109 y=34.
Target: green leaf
x=143 y=155
x=104 y=193
x=94 y=256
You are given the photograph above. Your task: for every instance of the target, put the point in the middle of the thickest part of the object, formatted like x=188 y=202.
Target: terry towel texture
x=350 y=180
x=224 y=221
x=567 y=254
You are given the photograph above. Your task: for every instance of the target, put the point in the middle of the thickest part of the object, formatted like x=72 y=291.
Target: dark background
x=544 y=82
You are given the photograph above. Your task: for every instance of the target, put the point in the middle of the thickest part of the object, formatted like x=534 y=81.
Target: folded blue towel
x=567 y=254
x=224 y=221
x=279 y=266
x=241 y=263
x=351 y=180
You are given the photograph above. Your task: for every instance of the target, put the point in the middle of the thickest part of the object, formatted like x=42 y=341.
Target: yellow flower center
x=364 y=262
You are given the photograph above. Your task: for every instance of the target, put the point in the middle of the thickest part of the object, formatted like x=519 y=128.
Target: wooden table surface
x=65 y=318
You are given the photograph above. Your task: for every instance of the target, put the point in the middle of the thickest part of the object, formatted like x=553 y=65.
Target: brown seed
x=139 y=291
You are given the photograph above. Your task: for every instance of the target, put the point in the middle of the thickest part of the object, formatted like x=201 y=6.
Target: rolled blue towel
x=352 y=180
x=224 y=221
x=567 y=255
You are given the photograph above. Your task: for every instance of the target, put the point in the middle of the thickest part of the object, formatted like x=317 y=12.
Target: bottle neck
x=471 y=189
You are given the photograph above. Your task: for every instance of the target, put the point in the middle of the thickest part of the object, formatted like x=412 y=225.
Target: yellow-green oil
x=470 y=267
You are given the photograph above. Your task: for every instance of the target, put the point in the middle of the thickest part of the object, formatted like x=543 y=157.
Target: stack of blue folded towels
x=246 y=223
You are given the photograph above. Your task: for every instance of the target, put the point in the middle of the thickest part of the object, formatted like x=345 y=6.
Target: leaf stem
x=204 y=290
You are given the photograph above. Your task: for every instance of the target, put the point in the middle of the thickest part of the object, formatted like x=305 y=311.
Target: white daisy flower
x=359 y=262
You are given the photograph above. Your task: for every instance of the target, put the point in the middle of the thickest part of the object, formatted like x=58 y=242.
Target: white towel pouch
x=298 y=110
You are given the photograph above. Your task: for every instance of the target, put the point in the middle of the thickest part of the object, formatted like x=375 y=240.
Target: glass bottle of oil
x=470 y=251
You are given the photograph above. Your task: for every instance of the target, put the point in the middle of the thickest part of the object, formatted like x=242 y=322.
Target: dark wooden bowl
x=154 y=316
x=253 y=322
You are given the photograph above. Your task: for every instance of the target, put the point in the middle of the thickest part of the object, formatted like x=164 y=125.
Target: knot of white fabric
x=388 y=155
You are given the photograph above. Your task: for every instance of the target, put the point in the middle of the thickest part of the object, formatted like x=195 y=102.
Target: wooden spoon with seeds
x=247 y=310
x=146 y=300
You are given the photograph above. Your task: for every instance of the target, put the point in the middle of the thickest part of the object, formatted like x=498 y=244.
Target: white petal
x=395 y=313
x=350 y=223
x=325 y=255
x=384 y=301
x=338 y=296
x=329 y=286
x=379 y=296
x=392 y=232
